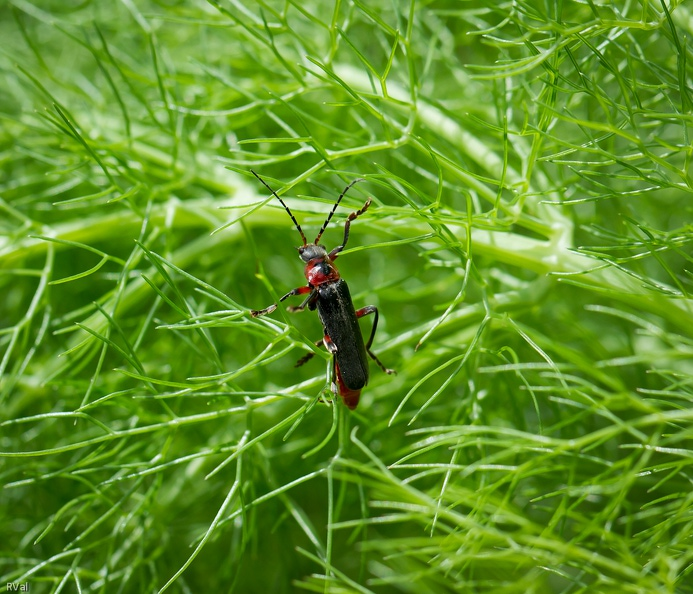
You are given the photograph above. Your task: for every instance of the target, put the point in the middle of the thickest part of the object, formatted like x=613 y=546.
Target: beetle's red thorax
x=320 y=271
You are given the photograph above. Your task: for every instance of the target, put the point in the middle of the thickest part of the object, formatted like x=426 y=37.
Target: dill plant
x=528 y=247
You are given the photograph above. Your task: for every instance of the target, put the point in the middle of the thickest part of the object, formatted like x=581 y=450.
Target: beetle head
x=312 y=251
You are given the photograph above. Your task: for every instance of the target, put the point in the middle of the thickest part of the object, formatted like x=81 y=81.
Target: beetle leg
x=364 y=311
x=329 y=345
x=333 y=254
x=308 y=301
x=309 y=355
x=326 y=341
x=298 y=291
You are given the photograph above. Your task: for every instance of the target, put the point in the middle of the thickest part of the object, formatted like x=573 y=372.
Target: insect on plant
x=329 y=294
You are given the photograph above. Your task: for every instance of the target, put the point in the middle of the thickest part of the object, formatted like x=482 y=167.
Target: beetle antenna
x=334 y=208
x=288 y=210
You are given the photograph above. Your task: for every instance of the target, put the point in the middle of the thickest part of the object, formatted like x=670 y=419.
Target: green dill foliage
x=528 y=247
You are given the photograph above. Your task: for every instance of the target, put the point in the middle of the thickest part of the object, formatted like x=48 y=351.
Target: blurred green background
x=528 y=247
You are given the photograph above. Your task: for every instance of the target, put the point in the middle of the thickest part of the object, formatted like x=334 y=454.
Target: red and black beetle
x=329 y=294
